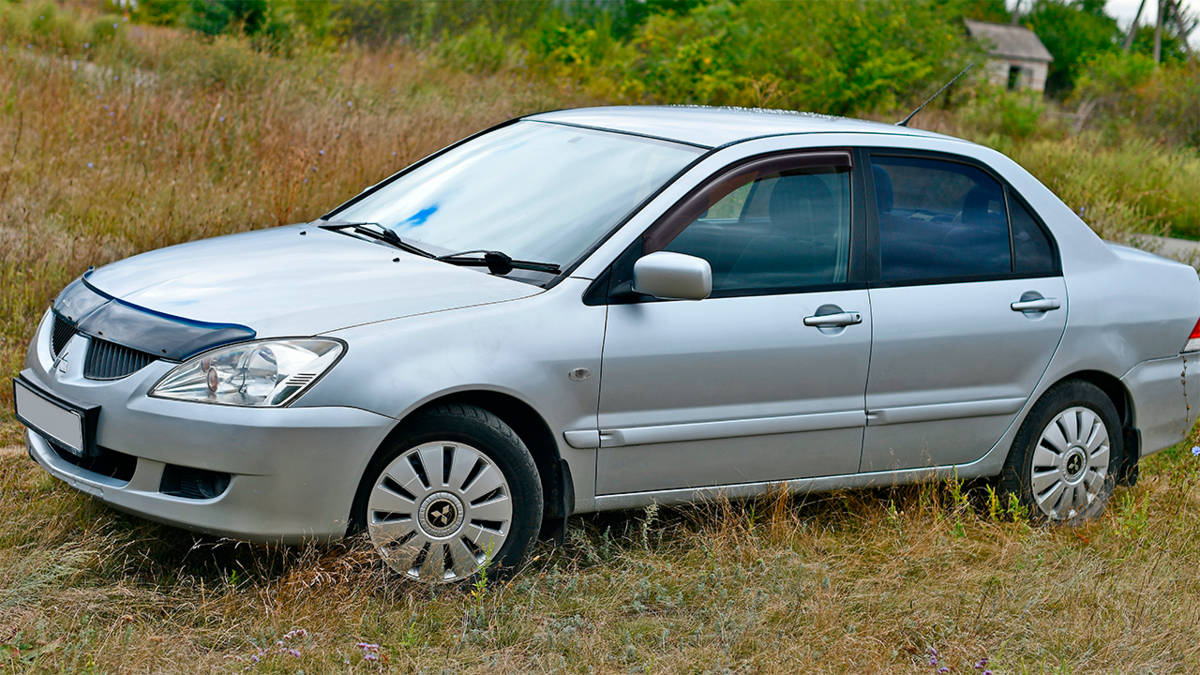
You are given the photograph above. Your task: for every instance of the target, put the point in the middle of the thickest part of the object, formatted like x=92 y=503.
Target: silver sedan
x=606 y=308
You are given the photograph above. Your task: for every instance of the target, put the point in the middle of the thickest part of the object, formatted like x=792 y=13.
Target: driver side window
x=767 y=229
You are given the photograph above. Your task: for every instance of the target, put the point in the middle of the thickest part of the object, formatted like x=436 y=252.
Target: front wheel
x=1064 y=460
x=457 y=492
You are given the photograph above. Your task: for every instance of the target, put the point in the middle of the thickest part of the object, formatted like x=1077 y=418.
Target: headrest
x=884 y=196
x=798 y=203
x=975 y=205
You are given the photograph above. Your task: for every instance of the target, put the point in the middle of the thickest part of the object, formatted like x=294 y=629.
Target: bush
x=837 y=58
x=213 y=17
x=1014 y=115
x=481 y=49
x=1128 y=93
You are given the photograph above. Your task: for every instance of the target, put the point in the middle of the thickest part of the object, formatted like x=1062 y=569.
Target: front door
x=764 y=380
x=969 y=309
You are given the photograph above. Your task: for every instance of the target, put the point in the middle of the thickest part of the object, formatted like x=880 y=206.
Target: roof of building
x=712 y=127
x=1008 y=41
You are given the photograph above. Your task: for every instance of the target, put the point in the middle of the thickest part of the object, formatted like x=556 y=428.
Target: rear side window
x=1032 y=253
x=939 y=220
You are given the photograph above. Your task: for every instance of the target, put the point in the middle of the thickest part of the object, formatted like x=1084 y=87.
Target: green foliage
x=480 y=49
x=1075 y=33
x=421 y=22
x=1015 y=115
x=836 y=58
x=995 y=11
x=1127 y=92
x=159 y=12
x=213 y=17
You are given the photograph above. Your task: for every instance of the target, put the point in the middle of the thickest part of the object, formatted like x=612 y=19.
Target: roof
x=713 y=127
x=1008 y=41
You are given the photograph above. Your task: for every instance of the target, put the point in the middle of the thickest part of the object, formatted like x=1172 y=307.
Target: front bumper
x=293 y=471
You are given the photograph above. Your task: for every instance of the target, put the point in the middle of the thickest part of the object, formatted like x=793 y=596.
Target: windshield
x=533 y=190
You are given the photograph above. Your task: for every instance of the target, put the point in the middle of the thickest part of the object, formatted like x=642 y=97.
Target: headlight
x=264 y=374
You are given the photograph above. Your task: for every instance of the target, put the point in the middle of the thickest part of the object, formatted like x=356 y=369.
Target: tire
x=456 y=491
x=1065 y=459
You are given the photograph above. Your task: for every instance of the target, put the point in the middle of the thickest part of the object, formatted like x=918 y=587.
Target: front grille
x=60 y=334
x=110 y=361
x=189 y=483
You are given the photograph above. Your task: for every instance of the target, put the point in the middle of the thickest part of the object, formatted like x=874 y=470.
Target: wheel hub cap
x=439 y=511
x=1070 y=463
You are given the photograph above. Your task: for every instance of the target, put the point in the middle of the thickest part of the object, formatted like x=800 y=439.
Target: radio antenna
x=913 y=114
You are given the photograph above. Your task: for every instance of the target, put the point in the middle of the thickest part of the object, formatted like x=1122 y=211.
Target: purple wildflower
x=982 y=662
x=87 y=45
x=114 y=25
x=370 y=656
x=1196 y=451
x=91 y=166
x=320 y=152
x=221 y=118
x=294 y=652
x=943 y=669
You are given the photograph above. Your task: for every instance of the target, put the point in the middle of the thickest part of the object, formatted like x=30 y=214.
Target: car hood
x=296 y=280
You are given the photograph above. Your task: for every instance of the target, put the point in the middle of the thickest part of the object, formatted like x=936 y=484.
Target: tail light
x=1193 y=343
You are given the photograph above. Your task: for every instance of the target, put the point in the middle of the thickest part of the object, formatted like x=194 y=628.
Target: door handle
x=833 y=320
x=1038 y=305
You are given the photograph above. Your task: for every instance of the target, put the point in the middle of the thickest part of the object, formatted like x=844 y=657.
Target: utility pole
x=1016 y=14
x=1134 y=26
x=1158 y=32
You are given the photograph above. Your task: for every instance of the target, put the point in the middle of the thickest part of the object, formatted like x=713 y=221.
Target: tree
x=1075 y=33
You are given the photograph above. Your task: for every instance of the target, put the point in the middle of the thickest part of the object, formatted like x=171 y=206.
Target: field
x=119 y=140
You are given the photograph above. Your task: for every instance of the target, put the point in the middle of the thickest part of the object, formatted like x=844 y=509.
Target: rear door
x=968 y=309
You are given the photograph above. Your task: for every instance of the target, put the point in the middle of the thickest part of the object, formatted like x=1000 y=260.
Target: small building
x=1018 y=59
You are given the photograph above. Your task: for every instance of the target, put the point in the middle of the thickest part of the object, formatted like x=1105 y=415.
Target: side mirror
x=672 y=276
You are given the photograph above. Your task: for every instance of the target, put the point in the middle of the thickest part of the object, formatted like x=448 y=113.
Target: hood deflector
x=174 y=338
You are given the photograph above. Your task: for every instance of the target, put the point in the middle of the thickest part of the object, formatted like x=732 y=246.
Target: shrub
x=837 y=58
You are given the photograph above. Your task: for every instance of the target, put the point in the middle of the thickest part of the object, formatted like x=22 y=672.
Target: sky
x=1123 y=10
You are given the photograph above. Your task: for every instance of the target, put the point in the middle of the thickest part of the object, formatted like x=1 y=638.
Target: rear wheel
x=458 y=491
x=1064 y=460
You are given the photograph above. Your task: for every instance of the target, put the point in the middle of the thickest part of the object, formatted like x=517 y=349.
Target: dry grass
x=862 y=582
x=159 y=138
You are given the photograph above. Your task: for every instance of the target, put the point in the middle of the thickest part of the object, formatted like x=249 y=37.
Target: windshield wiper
x=497 y=262
x=382 y=234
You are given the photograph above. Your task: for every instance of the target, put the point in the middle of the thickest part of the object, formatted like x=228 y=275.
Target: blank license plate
x=50 y=418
